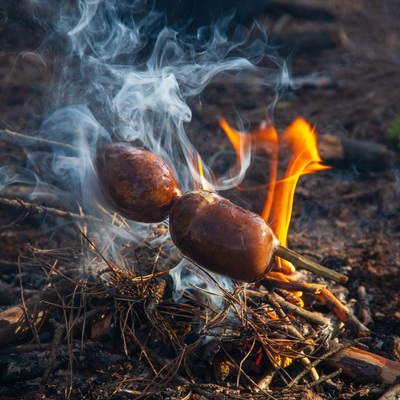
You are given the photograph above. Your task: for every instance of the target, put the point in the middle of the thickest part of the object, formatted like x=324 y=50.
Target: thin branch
x=16 y=222
x=21 y=139
x=39 y=209
x=292 y=308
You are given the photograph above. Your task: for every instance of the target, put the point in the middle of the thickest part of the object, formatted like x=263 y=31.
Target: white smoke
x=125 y=77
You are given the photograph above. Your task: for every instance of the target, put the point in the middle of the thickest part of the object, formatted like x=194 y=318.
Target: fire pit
x=98 y=301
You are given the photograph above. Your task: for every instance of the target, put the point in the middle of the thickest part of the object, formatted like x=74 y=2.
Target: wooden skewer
x=302 y=262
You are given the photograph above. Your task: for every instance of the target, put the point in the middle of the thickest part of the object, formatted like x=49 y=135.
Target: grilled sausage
x=136 y=183
x=222 y=237
x=210 y=230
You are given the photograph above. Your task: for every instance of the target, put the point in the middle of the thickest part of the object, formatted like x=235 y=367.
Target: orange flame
x=264 y=138
x=197 y=167
x=305 y=160
x=205 y=185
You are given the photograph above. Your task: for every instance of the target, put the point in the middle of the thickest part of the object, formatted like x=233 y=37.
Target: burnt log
x=364 y=366
x=365 y=155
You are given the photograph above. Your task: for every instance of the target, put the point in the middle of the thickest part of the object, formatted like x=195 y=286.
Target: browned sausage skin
x=221 y=236
x=210 y=230
x=136 y=183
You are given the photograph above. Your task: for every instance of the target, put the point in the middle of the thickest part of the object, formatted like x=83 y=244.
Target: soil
x=347 y=218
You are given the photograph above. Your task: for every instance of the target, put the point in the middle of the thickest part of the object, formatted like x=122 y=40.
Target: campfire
x=249 y=333
x=160 y=268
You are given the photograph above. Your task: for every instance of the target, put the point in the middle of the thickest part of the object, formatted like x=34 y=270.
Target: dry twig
x=292 y=308
x=39 y=209
x=23 y=140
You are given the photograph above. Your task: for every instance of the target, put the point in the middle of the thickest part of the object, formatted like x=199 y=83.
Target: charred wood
x=366 y=156
x=299 y=9
x=17 y=321
x=392 y=394
x=16 y=367
x=307 y=42
x=362 y=365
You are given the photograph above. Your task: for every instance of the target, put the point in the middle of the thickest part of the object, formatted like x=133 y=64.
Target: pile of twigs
x=251 y=341
x=254 y=344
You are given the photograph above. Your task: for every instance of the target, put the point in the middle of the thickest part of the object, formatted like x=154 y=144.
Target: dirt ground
x=347 y=218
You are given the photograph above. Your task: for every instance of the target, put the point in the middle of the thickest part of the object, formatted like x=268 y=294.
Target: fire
x=302 y=140
x=264 y=138
x=305 y=160
x=203 y=181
